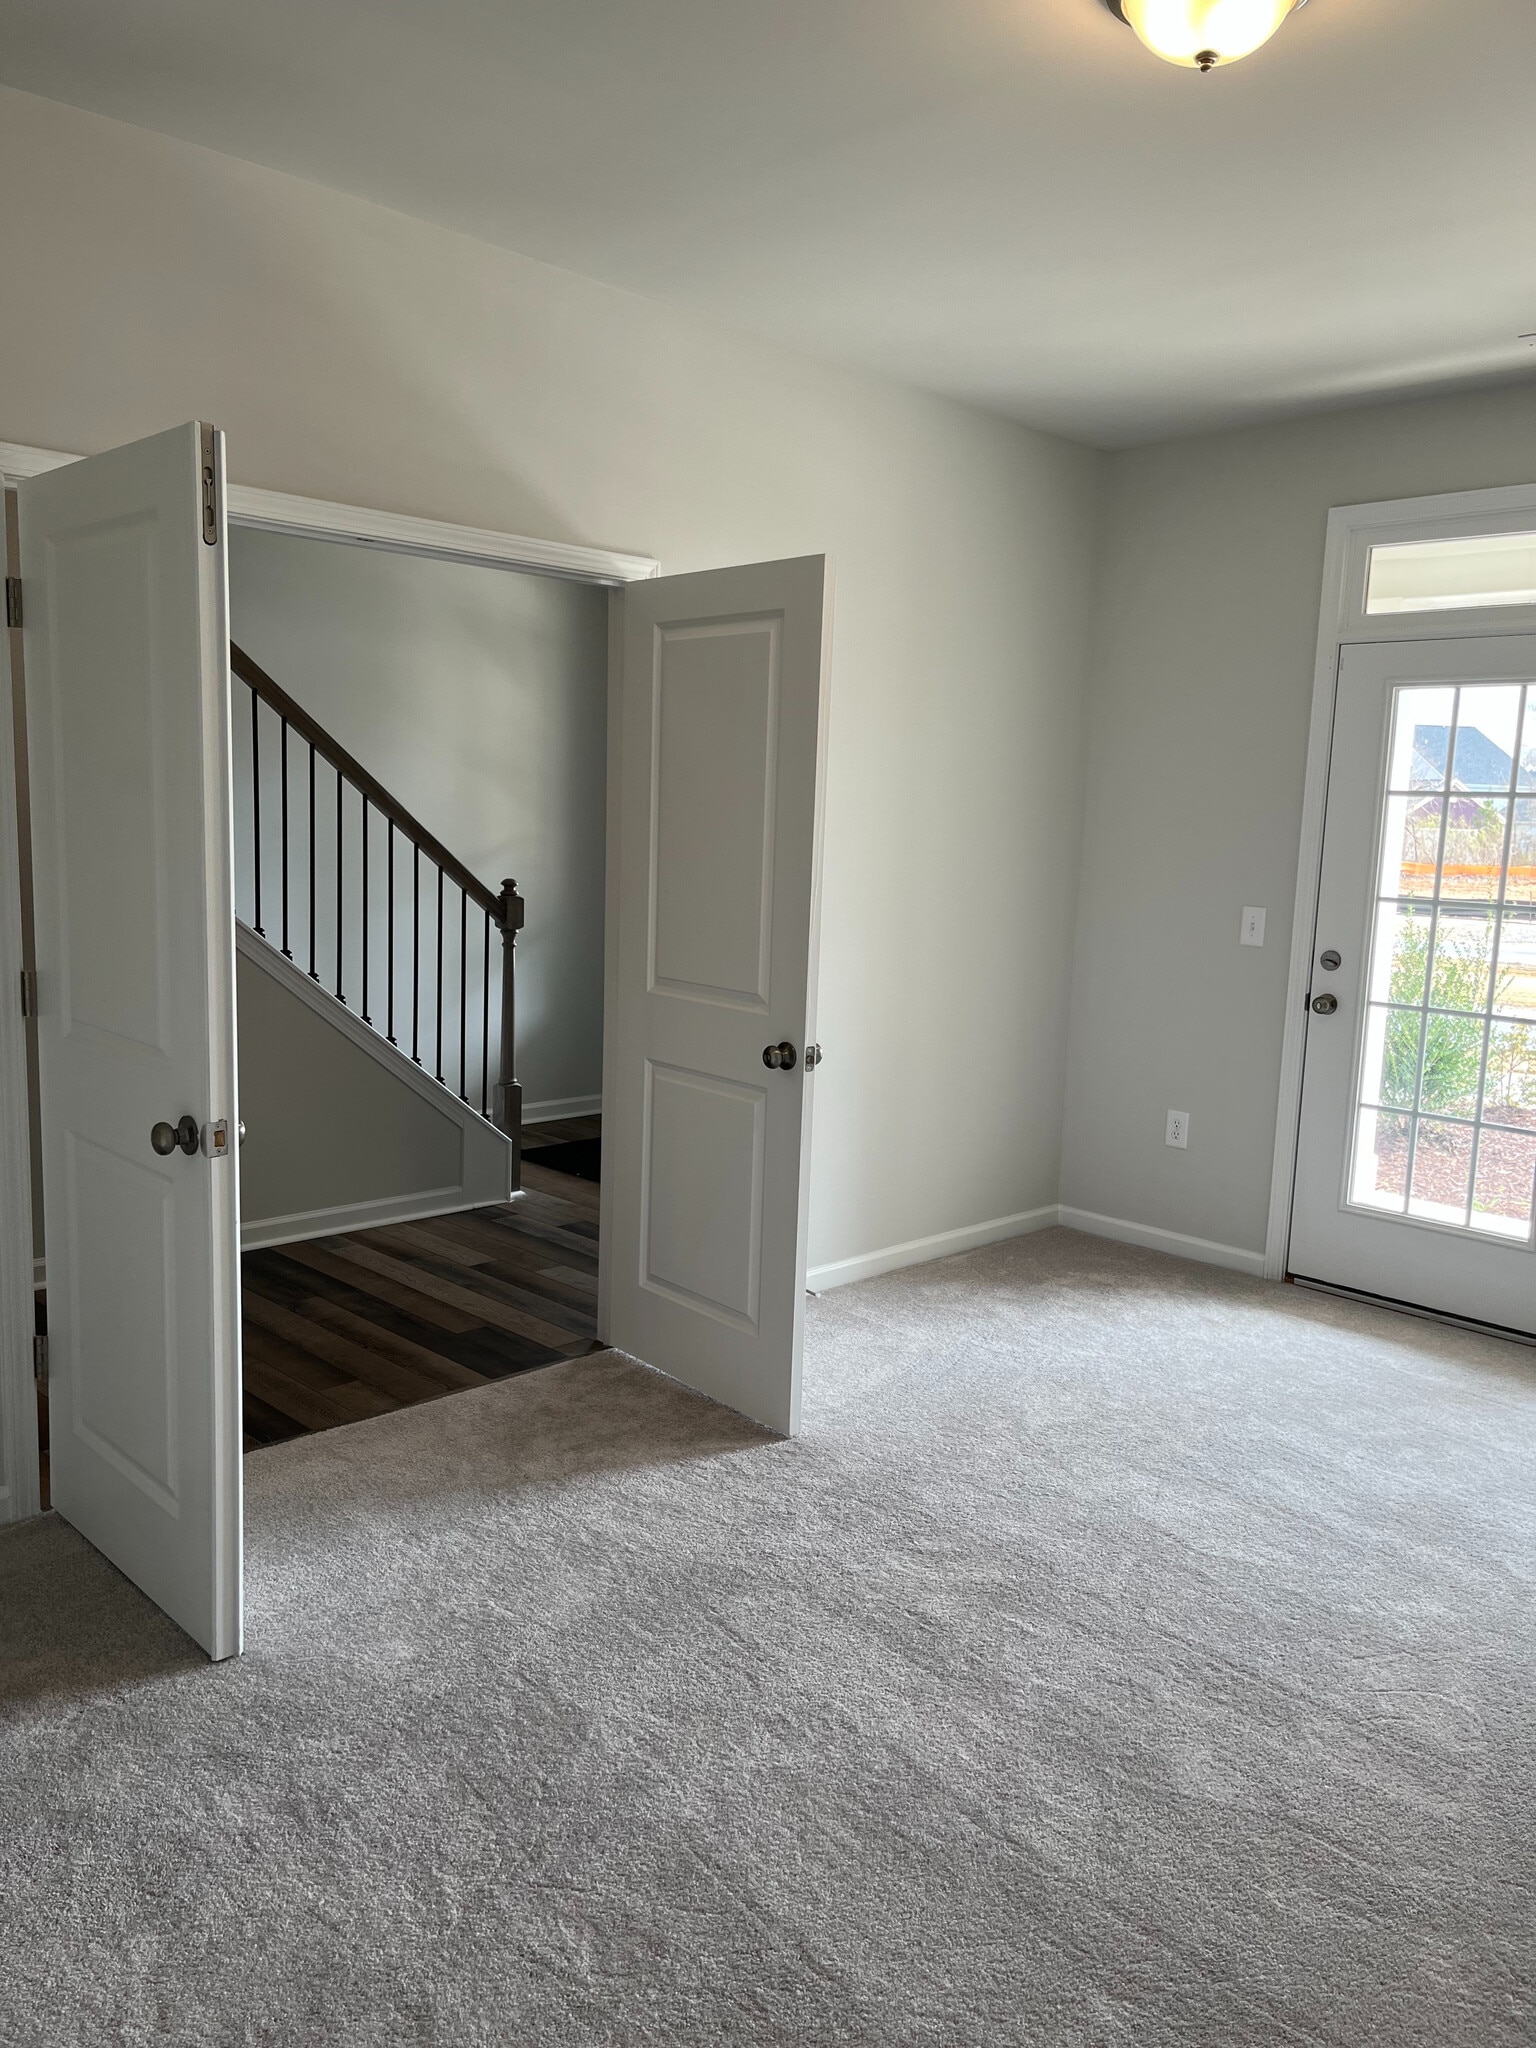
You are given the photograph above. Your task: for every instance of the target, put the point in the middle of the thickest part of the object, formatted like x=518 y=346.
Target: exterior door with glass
x=1416 y=1160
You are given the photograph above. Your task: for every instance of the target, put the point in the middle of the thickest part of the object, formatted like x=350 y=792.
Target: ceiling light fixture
x=1200 y=34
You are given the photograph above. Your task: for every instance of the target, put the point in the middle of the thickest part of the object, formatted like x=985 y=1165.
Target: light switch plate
x=1252 y=933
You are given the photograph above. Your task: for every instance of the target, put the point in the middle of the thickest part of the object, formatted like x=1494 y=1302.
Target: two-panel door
x=717 y=746
x=126 y=633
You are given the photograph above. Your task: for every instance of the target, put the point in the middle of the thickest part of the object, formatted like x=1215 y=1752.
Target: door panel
x=717 y=740
x=1416 y=1164
x=123 y=575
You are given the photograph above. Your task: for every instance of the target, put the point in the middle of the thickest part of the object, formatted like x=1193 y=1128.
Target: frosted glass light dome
x=1200 y=34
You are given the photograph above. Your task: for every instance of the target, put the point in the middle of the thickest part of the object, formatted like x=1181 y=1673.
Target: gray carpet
x=1127 y=1654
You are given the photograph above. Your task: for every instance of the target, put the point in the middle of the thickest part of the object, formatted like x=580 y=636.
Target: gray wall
x=478 y=697
x=1206 y=619
x=353 y=354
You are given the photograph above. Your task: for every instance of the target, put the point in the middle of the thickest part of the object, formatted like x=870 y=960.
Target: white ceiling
x=1007 y=200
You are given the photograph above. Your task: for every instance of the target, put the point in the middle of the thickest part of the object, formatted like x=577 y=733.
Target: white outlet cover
x=1252 y=931
x=1178 y=1129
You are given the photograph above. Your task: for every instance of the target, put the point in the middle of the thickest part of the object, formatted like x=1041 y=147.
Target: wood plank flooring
x=340 y=1328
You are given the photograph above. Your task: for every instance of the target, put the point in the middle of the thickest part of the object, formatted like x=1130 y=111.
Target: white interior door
x=127 y=661
x=1416 y=1166
x=716 y=745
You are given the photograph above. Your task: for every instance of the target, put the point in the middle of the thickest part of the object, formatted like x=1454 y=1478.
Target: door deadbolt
x=1331 y=961
x=782 y=1055
x=184 y=1137
x=1325 y=1005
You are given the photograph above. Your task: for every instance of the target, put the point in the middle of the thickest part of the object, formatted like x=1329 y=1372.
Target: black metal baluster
x=313 y=971
x=366 y=1018
x=340 y=991
x=389 y=980
x=283 y=780
x=416 y=953
x=485 y=1018
x=437 y=1053
x=463 y=987
x=256 y=800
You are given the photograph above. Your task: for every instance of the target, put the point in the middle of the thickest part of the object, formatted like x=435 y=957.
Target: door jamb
x=1353 y=530
x=281 y=512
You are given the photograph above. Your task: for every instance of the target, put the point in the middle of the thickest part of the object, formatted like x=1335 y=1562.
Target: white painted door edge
x=1353 y=530
x=19 y=1494
x=283 y=512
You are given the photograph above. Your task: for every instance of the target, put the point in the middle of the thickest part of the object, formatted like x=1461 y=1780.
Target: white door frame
x=277 y=512
x=1353 y=530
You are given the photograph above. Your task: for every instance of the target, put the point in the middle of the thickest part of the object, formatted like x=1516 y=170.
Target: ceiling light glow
x=1200 y=34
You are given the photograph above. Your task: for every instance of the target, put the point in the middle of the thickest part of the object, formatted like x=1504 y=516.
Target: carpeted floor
x=1127 y=1654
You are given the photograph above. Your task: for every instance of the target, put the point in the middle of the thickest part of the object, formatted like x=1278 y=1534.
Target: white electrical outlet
x=1252 y=933
x=1178 y=1129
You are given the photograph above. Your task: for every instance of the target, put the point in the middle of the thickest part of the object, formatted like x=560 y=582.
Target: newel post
x=509 y=1094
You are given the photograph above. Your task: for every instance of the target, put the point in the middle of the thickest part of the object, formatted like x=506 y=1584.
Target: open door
x=125 y=616
x=717 y=746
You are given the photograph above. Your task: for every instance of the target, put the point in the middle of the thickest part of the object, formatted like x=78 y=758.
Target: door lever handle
x=782 y=1055
x=184 y=1137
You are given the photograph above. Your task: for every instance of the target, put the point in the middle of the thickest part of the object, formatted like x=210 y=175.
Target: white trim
x=19 y=1495
x=569 y=1105
x=282 y=512
x=308 y=1223
x=918 y=1251
x=1343 y=620
x=1173 y=1242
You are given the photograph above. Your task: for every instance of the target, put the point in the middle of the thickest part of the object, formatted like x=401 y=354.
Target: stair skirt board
x=475 y=1169
x=276 y=1230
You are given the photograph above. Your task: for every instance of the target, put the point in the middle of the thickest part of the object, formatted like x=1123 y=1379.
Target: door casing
x=1353 y=530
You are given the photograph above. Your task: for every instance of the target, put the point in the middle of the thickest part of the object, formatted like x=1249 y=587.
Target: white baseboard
x=842 y=1272
x=296 y=1229
x=1174 y=1242
x=552 y=1112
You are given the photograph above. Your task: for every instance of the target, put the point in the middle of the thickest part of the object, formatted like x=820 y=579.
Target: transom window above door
x=1446 y=1101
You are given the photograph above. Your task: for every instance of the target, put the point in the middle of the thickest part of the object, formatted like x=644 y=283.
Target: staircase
x=377 y=989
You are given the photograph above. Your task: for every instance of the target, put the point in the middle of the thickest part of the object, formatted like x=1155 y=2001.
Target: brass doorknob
x=782 y=1055
x=169 y=1138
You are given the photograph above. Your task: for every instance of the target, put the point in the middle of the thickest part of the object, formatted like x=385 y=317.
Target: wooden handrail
x=256 y=678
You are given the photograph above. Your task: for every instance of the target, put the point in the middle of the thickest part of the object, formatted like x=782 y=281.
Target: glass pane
x=1381 y=1159
x=1442 y=1171
x=1521 y=886
x=1400 y=957
x=1473 y=866
x=1452 y=575
x=1509 y=1092
x=1452 y=1066
x=1411 y=846
x=1506 y=1175
x=1390 y=1076
x=1463 y=961
x=1421 y=738
x=1527 y=777
x=1514 y=993
x=1487 y=728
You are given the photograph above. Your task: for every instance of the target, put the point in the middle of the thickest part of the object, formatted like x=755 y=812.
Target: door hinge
x=29 y=991
x=210 y=488
x=40 y=1359
x=13 y=600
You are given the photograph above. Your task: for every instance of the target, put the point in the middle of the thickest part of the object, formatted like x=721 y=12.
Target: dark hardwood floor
x=340 y=1328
